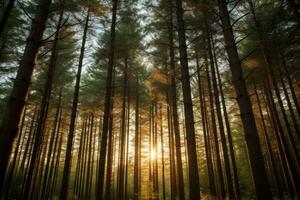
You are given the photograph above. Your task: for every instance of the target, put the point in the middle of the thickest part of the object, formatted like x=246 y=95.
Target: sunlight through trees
x=149 y=99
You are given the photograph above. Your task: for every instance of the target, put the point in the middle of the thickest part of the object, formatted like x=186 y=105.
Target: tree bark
x=211 y=175
x=214 y=132
x=259 y=173
x=277 y=186
x=107 y=104
x=29 y=186
x=136 y=145
x=6 y=14
x=121 y=175
x=68 y=157
x=110 y=153
x=15 y=106
x=188 y=107
x=174 y=112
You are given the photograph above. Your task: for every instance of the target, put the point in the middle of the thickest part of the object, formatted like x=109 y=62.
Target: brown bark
x=188 y=107
x=121 y=175
x=29 y=186
x=52 y=138
x=110 y=153
x=78 y=166
x=107 y=104
x=263 y=42
x=219 y=112
x=162 y=152
x=229 y=136
x=258 y=170
x=136 y=145
x=171 y=152
x=68 y=158
x=290 y=164
x=15 y=106
x=174 y=112
x=214 y=135
x=6 y=14
x=204 y=127
x=277 y=187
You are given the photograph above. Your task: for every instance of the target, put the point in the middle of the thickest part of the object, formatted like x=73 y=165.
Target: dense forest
x=149 y=99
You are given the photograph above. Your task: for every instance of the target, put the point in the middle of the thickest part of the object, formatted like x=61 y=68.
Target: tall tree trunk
x=5 y=15
x=228 y=130
x=27 y=152
x=218 y=110
x=292 y=89
x=214 y=132
x=110 y=153
x=57 y=160
x=289 y=104
x=277 y=187
x=263 y=42
x=89 y=163
x=55 y=152
x=44 y=108
x=162 y=152
x=155 y=163
x=14 y=162
x=46 y=178
x=173 y=103
x=68 y=158
x=171 y=152
x=107 y=104
x=206 y=140
x=290 y=163
x=127 y=144
x=121 y=175
x=259 y=173
x=150 y=143
x=82 y=165
x=78 y=166
x=136 y=145
x=15 y=106
x=188 y=107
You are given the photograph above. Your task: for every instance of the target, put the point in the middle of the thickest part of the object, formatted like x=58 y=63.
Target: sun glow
x=153 y=155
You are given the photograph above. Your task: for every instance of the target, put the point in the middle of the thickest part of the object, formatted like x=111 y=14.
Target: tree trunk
x=136 y=145
x=110 y=153
x=171 y=152
x=15 y=106
x=174 y=112
x=5 y=15
x=219 y=112
x=275 y=177
x=214 y=132
x=55 y=151
x=68 y=158
x=43 y=109
x=107 y=104
x=259 y=173
x=211 y=175
x=17 y=151
x=127 y=144
x=228 y=130
x=162 y=152
x=46 y=178
x=263 y=42
x=288 y=157
x=121 y=175
x=188 y=107
x=292 y=89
